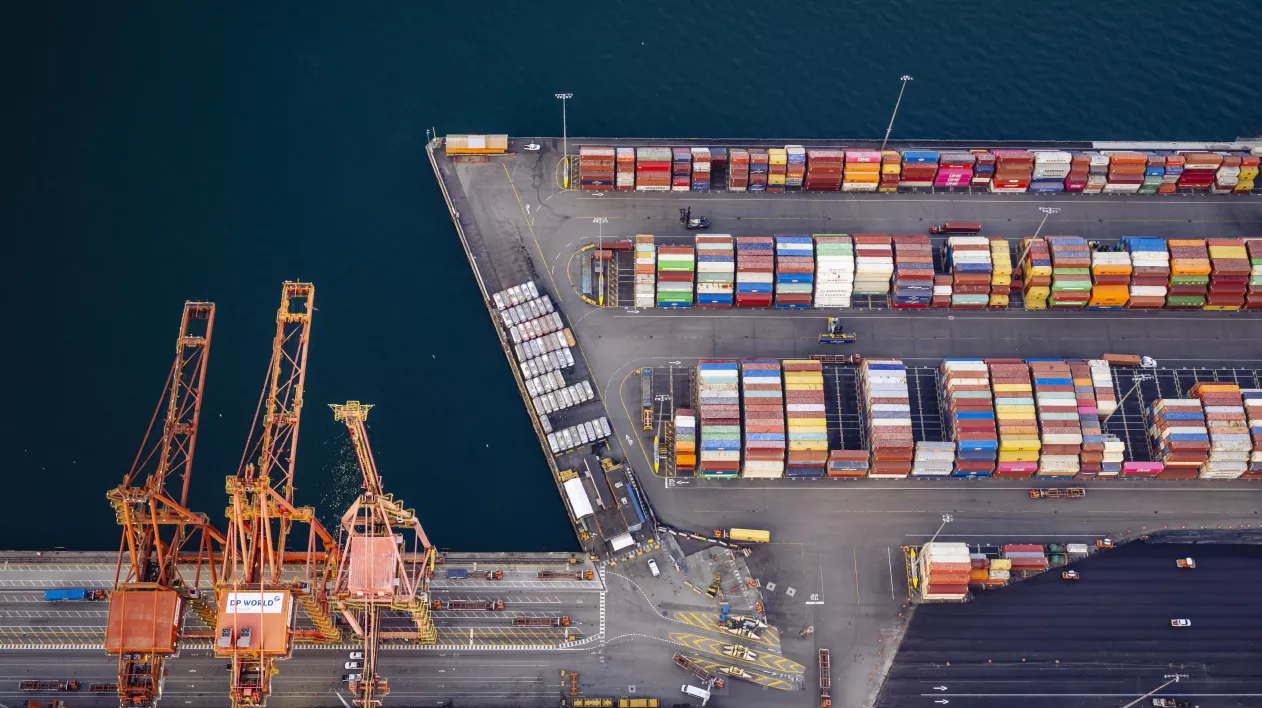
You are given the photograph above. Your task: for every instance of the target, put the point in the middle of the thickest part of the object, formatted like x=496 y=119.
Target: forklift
x=834 y=335
x=691 y=224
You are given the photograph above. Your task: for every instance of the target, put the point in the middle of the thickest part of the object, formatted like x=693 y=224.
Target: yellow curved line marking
x=638 y=438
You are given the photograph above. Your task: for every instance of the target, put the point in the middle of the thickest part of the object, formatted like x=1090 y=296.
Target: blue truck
x=73 y=595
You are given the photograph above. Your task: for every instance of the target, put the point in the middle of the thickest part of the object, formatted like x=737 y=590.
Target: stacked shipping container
x=1015 y=413
x=652 y=169
x=1091 y=457
x=969 y=411
x=1179 y=436
x=913 y=272
x=852 y=463
x=1051 y=169
x=1036 y=273
x=596 y=168
x=645 y=271
x=1230 y=444
x=955 y=169
x=886 y=407
x=795 y=270
x=759 y=167
x=1253 y=299
x=685 y=441
x=755 y=270
x=1001 y=271
x=680 y=169
x=1229 y=274
x=1071 y=272
x=1189 y=274
x=873 y=264
x=807 y=425
x=1126 y=172
x=944 y=570
x=720 y=404
x=933 y=459
x=700 y=169
x=891 y=171
x=795 y=173
x=624 y=178
x=823 y=170
x=1252 y=399
x=969 y=260
x=862 y=172
x=1014 y=170
x=676 y=268
x=1110 y=280
x=737 y=170
x=777 y=169
x=919 y=168
x=1059 y=427
x=1025 y=556
x=763 y=395
x=834 y=270
x=716 y=271
x=1150 y=271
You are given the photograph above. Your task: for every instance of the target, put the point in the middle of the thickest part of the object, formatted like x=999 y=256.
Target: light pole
x=1047 y=211
x=946 y=519
x=905 y=79
x=565 y=148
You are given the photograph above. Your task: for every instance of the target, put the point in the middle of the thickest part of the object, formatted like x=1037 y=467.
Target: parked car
x=353 y=665
x=653 y=568
x=357 y=655
x=1180 y=623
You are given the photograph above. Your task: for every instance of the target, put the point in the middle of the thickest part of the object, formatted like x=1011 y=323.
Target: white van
x=701 y=693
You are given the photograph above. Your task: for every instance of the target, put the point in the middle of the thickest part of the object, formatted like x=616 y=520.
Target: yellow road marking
x=765 y=659
x=525 y=216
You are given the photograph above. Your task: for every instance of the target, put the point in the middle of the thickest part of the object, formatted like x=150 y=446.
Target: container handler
x=1185 y=563
x=1103 y=544
x=835 y=335
x=1069 y=575
x=691 y=224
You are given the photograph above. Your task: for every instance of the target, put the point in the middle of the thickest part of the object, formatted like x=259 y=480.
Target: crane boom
x=151 y=505
x=389 y=560
x=258 y=590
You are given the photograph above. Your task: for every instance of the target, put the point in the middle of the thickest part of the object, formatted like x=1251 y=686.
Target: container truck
x=825 y=680
x=565 y=574
x=691 y=666
x=457 y=573
x=38 y=685
x=73 y=595
x=746 y=535
x=956 y=227
x=1058 y=493
x=108 y=688
x=563 y=621
x=469 y=605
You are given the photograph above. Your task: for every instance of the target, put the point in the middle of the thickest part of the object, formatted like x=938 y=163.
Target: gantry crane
x=261 y=580
x=151 y=578
x=387 y=562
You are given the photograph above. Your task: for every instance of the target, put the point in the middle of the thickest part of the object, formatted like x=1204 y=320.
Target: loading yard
x=836 y=546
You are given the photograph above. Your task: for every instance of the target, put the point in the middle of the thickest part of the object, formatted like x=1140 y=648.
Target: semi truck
x=825 y=680
x=38 y=685
x=563 y=621
x=469 y=605
x=746 y=535
x=73 y=595
x=565 y=574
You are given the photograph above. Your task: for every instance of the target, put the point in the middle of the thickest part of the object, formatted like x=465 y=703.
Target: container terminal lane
x=834 y=574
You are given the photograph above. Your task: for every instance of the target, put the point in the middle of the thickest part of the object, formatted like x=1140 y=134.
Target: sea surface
x=155 y=152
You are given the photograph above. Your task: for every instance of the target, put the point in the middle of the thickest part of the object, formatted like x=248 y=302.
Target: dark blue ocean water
x=156 y=152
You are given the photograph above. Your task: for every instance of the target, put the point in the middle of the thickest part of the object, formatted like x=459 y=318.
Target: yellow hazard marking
x=31 y=636
x=758 y=678
x=765 y=659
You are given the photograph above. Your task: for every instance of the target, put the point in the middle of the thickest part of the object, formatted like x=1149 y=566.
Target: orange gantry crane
x=152 y=577
x=387 y=562
x=261 y=580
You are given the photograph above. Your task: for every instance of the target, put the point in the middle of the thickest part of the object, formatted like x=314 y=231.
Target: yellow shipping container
x=1025 y=454
x=998 y=300
x=1001 y=564
x=1001 y=279
x=1249 y=172
x=1228 y=252
x=1221 y=308
x=1006 y=388
x=775 y=179
x=1244 y=185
